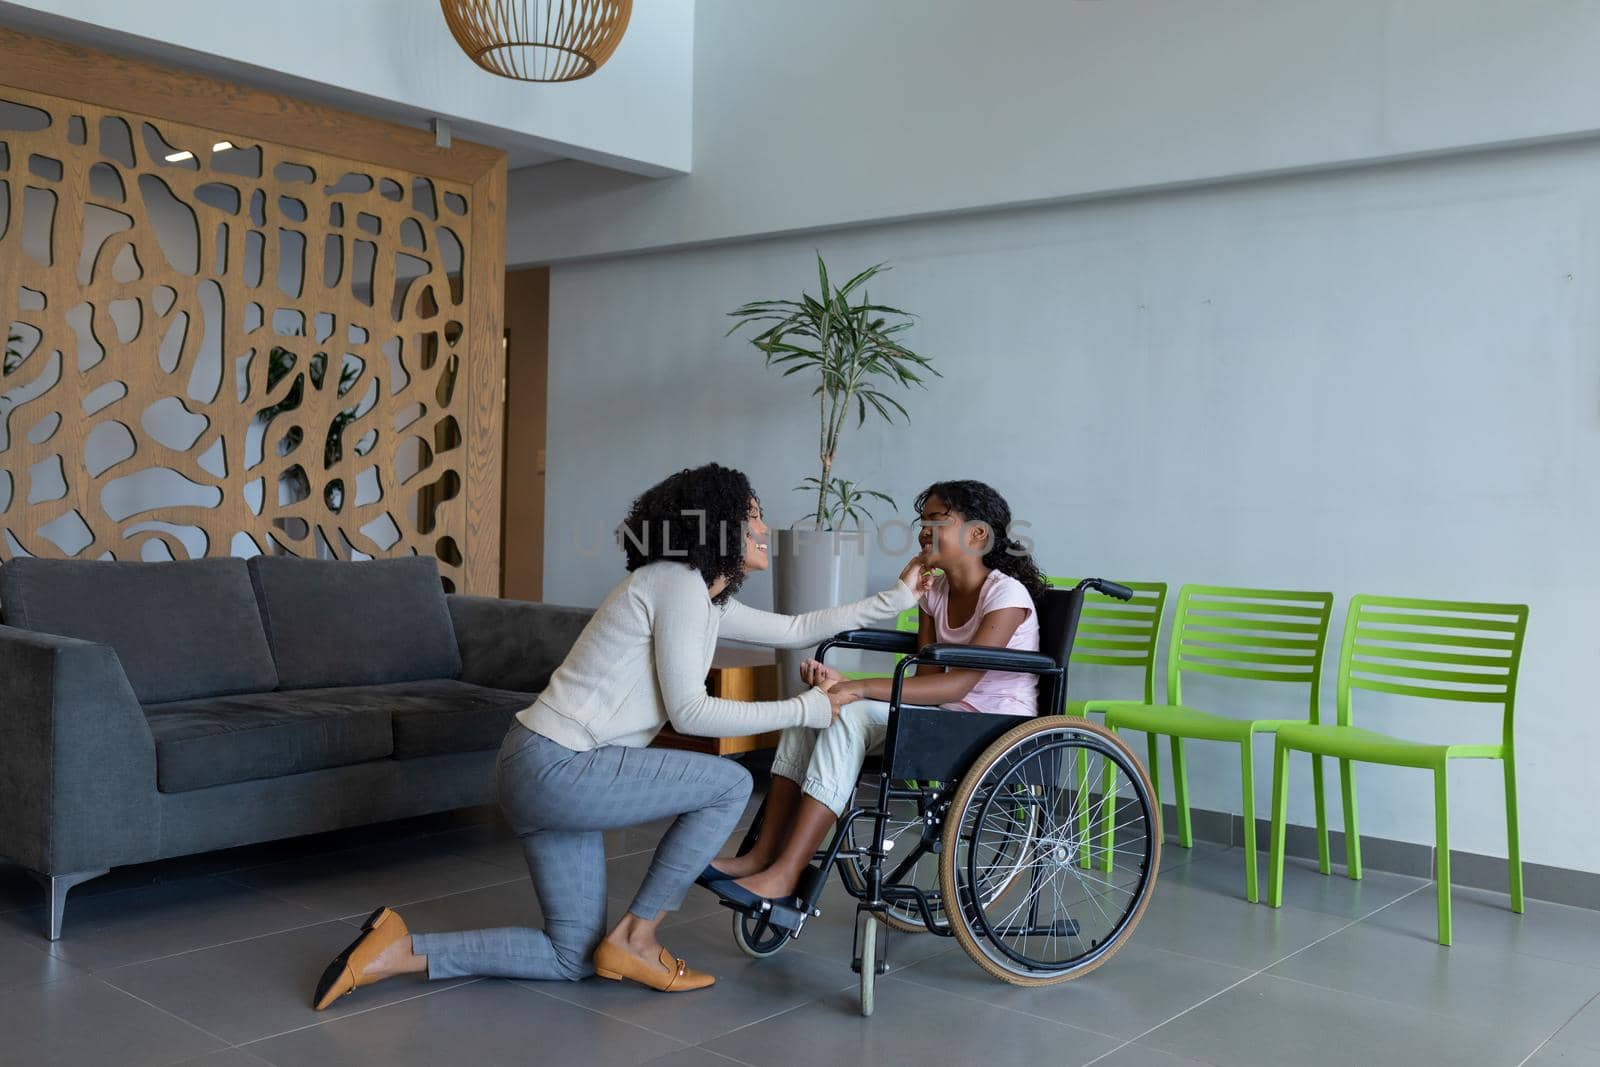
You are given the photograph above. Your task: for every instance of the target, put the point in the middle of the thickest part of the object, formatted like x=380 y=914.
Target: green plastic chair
x=1263 y=635
x=1434 y=649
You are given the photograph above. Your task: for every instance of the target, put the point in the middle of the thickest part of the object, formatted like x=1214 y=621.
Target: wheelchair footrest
x=787 y=915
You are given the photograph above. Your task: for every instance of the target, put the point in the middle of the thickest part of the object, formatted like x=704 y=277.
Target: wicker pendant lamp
x=538 y=40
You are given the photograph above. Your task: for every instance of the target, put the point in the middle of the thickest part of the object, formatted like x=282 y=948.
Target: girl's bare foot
x=740 y=866
x=770 y=883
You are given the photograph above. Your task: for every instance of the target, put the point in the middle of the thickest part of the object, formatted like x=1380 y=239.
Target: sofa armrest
x=513 y=644
x=76 y=756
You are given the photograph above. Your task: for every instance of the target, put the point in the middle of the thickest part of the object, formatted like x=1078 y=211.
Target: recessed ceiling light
x=179 y=157
x=222 y=146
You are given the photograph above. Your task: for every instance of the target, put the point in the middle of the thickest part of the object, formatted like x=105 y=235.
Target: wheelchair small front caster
x=757 y=937
x=869 y=965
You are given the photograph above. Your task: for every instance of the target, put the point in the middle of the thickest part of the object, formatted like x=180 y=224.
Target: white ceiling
x=396 y=61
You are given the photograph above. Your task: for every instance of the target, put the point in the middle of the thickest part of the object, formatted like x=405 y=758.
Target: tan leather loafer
x=667 y=975
x=347 y=972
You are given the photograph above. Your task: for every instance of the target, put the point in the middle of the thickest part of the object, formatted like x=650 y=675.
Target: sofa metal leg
x=57 y=886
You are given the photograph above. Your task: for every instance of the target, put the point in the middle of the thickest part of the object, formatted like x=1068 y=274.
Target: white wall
x=1380 y=380
x=836 y=111
x=634 y=113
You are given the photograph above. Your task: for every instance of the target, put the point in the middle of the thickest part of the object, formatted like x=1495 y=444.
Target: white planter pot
x=814 y=569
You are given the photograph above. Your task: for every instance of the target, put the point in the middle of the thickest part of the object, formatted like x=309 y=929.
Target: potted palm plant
x=848 y=347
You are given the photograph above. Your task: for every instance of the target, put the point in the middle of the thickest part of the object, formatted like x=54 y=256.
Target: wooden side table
x=737 y=673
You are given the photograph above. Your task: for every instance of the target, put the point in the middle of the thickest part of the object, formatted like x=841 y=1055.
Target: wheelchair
x=1034 y=842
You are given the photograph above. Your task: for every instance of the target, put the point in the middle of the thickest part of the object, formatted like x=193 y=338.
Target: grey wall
x=1380 y=380
x=838 y=112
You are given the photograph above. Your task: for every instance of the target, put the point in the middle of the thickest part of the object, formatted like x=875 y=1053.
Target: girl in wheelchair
x=986 y=596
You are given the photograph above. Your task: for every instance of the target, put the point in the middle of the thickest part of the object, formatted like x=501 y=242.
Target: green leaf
x=864 y=276
x=852 y=350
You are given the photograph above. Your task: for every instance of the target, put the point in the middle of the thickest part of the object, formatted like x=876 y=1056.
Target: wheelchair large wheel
x=1078 y=888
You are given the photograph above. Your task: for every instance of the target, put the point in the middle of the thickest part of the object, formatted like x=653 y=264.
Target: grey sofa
x=153 y=710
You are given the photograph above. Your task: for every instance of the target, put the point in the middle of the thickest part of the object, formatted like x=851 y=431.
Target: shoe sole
x=321 y=1000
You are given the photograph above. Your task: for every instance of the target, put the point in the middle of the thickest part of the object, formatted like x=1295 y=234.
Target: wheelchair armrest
x=984 y=658
x=902 y=642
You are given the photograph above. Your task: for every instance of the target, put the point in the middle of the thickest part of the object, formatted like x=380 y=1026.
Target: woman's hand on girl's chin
x=918 y=574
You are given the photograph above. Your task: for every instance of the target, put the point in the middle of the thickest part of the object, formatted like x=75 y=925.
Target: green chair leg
x=1153 y=765
x=1180 y=791
x=1352 y=831
x=1280 y=819
x=1513 y=844
x=1441 y=846
x=1320 y=794
x=1081 y=785
x=1247 y=774
x=1108 y=817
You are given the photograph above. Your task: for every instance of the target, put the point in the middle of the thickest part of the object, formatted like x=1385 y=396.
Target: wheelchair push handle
x=1109 y=588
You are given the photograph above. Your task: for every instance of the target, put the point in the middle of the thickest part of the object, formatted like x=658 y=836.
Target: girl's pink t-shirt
x=997 y=692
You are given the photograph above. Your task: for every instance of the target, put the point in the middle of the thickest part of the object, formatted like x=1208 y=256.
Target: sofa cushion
x=239 y=738
x=203 y=743
x=438 y=716
x=333 y=623
x=181 y=629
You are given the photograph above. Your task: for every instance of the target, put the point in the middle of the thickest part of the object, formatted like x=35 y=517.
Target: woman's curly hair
x=977 y=502
x=695 y=517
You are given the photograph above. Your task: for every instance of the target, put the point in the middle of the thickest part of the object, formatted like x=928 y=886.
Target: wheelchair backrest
x=1059 y=611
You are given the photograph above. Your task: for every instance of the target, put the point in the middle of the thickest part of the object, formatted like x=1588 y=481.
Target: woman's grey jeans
x=559 y=801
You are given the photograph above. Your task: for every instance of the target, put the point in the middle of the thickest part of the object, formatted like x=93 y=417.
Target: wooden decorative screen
x=220 y=344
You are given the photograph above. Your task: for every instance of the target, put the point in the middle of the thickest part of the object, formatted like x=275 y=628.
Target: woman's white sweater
x=642 y=662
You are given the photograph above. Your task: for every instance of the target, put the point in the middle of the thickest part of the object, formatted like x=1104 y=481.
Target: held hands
x=815 y=673
x=837 y=686
x=840 y=693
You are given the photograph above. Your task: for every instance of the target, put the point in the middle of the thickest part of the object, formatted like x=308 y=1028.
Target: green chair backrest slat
x=1118 y=633
x=1260 y=635
x=1397 y=645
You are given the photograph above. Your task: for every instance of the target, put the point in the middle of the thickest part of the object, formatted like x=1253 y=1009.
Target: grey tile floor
x=210 y=961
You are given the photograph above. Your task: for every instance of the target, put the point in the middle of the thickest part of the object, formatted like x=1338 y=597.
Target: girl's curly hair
x=695 y=517
x=977 y=502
